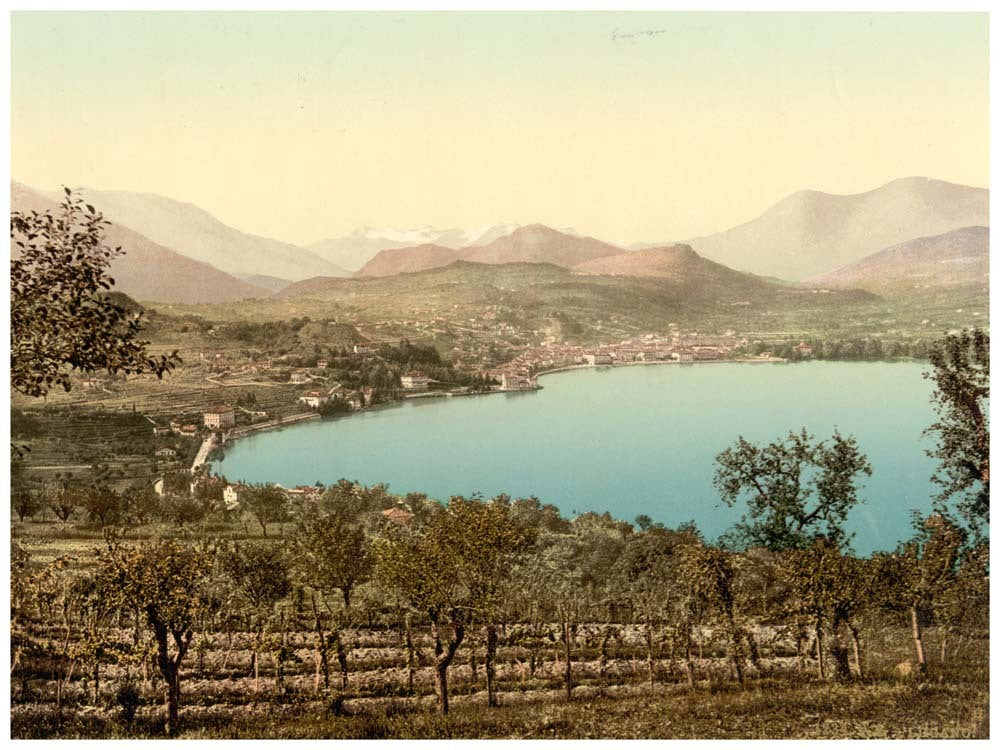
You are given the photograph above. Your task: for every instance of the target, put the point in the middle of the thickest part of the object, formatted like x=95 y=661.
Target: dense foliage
x=62 y=317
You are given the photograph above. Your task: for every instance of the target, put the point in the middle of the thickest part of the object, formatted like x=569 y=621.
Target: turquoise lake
x=627 y=440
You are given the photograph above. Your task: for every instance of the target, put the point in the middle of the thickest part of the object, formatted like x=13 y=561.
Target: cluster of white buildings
x=676 y=347
x=354 y=398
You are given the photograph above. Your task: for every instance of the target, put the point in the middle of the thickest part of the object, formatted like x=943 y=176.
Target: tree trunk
x=605 y=638
x=856 y=647
x=735 y=650
x=170 y=669
x=491 y=652
x=569 y=661
x=649 y=655
x=473 y=664
x=172 y=702
x=754 y=650
x=254 y=661
x=444 y=656
x=341 y=660
x=800 y=647
x=918 y=639
x=410 y=666
x=842 y=667
x=819 y=650
x=688 y=660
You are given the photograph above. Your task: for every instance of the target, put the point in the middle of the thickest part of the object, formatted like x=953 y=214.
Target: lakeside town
x=223 y=423
x=254 y=377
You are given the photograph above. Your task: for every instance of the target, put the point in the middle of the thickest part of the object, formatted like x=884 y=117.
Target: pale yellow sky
x=628 y=127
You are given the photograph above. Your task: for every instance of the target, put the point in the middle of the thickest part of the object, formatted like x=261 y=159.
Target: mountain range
x=360 y=246
x=534 y=243
x=148 y=271
x=810 y=233
x=801 y=237
x=904 y=237
x=197 y=234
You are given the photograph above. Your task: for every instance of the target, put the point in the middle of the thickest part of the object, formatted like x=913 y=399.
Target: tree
x=165 y=581
x=796 y=489
x=489 y=542
x=260 y=574
x=648 y=576
x=452 y=568
x=63 y=501
x=332 y=551
x=710 y=573
x=827 y=587
x=61 y=316
x=567 y=571
x=140 y=503
x=26 y=503
x=918 y=577
x=103 y=504
x=268 y=503
x=961 y=375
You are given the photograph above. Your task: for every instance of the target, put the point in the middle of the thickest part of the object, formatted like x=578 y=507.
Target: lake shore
x=309 y=417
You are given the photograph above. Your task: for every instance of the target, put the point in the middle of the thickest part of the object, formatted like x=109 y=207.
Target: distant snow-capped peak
x=417 y=236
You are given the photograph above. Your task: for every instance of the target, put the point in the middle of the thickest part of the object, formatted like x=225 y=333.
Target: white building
x=219 y=418
x=231 y=496
x=314 y=399
x=415 y=381
x=515 y=381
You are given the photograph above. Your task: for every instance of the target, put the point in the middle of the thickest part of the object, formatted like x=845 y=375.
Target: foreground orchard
x=652 y=643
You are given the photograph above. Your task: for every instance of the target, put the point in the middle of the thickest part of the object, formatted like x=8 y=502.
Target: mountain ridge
x=810 y=232
x=531 y=243
x=958 y=258
x=148 y=271
x=194 y=232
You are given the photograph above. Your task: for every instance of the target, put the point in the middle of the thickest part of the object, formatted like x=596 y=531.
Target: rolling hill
x=674 y=262
x=196 y=234
x=534 y=295
x=926 y=265
x=810 y=233
x=357 y=248
x=537 y=243
x=534 y=243
x=150 y=272
x=407 y=260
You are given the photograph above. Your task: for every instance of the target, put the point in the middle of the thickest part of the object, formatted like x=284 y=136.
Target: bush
x=127 y=698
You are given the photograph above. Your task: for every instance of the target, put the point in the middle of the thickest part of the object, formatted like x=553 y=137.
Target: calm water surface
x=628 y=440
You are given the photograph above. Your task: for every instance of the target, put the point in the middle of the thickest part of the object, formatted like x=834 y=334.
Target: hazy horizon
x=629 y=127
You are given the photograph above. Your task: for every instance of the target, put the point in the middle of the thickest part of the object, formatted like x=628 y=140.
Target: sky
x=625 y=126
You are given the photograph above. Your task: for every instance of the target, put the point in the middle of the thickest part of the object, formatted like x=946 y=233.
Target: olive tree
x=451 y=568
x=711 y=573
x=827 y=587
x=260 y=573
x=331 y=553
x=918 y=577
x=647 y=575
x=164 y=580
x=268 y=503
